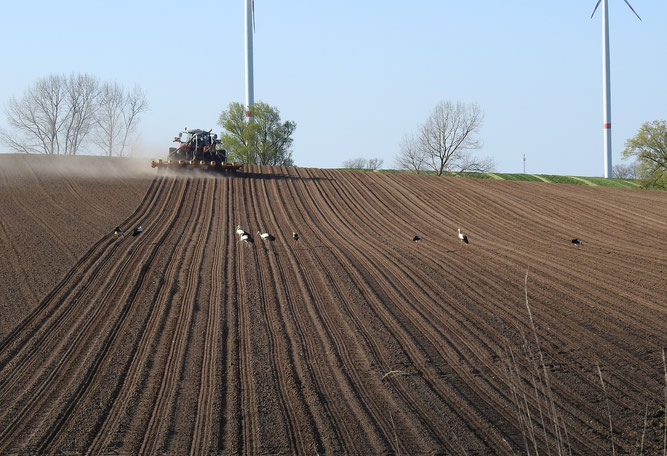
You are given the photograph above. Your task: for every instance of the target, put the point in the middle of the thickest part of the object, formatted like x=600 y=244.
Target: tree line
x=65 y=115
x=62 y=114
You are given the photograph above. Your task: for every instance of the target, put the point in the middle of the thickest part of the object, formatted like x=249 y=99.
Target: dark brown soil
x=52 y=210
x=351 y=340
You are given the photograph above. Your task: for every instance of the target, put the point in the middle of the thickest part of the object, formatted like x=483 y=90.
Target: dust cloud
x=17 y=168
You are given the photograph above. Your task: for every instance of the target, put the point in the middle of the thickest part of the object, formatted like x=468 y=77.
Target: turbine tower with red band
x=606 y=82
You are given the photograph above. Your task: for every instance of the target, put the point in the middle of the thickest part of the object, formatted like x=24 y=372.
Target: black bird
x=417 y=238
x=578 y=242
x=295 y=236
x=118 y=231
x=463 y=237
x=266 y=236
x=137 y=231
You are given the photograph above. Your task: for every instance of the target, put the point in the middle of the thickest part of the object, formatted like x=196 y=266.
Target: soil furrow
x=88 y=329
x=161 y=413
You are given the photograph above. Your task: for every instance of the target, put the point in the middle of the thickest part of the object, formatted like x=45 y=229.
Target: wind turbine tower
x=606 y=81
x=249 y=79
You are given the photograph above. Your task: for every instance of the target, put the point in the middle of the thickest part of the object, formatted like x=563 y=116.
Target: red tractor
x=198 y=150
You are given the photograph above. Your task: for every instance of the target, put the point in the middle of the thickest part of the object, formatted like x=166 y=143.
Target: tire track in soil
x=350 y=311
x=288 y=354
x=400 y=327
x=360 y=328
x=203 y=424
x=61 y=362
x=569 y=280
x=56 y=319
x=12 y=255
x=477 y=332
x=126 y=427
x=280 y=355
x=249 y=426
x=230 y=429
x=154 y=435
x=137 y=366
x=48 y=316
x=433 y=317
x=369 y=249
x=367 y=409
x=290 y=321
x=147 y=201
x=78 y=348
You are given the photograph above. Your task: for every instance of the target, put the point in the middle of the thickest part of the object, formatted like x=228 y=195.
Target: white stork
x=578 y=242
x=240 y=231
x=463 y=237
x=417 y=238
x=266 y=236
x=118 y=231
x=295 y=236
x=245 y=237
x=137 y=231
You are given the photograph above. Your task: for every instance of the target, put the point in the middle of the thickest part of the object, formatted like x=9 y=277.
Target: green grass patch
x=473 y=175
x=562 y=179
x=613 y=182
x=574 y=180
x=519 y=177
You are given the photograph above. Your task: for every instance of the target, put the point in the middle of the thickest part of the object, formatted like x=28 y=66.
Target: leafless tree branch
x=411 y=156
x=59 y=114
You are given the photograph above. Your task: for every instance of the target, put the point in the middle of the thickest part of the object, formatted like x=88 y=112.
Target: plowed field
x=351 y=340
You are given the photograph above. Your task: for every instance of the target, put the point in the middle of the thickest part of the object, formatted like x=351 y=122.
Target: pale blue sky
x=356 y=76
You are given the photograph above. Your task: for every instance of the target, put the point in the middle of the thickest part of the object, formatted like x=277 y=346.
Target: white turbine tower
x=606 y=81
x=249 y=83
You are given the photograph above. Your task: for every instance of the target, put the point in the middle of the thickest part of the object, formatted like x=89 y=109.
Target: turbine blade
x=633 y=10
x=253 y=16
x=596 y=8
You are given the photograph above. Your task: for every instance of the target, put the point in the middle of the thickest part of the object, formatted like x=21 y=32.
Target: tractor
x=199 y=149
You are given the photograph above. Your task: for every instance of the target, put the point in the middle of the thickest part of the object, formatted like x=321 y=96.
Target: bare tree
x=81 y=96
x=411 y=156
x=448 y=136
x=374 y=163
x=355 y=163
x=38 y=117
x=446 y=140
x=117 y=116
x=623 y=171
x=59 y=113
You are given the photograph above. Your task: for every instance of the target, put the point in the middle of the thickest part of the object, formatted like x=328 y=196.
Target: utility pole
x=524 y=163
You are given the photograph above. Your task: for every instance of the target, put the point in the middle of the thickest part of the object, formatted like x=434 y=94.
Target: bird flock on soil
x=245 y=236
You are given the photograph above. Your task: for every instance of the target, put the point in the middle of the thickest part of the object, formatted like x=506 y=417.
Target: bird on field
x=240 y=231
x=245 y=237
x=463 y=237
x=417 y=238
x=137 y=231
x=578 y=242
x=118 y=231
x=295 y=236
x=266 y=236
